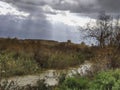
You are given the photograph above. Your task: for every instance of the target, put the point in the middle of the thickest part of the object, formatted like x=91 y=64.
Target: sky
x=59 y=20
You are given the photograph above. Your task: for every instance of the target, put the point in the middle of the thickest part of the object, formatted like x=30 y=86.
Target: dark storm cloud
x=72 y=5
x=33 y=26
x=37 y=26
x=28 y=28
x=110 y=5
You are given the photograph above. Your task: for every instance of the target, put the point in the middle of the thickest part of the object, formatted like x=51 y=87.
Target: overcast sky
x=50 y=19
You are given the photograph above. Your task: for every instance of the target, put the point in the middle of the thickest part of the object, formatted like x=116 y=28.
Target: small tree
x=102 y=29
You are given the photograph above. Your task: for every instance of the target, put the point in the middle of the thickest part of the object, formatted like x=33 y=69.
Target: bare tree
x=102 y=29
x=115 y=39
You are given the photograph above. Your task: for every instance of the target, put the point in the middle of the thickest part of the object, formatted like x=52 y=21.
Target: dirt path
x=51 y=77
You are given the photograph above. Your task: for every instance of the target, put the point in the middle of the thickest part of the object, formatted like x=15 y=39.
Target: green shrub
x=62 y=78
x=58 y=59
x=10 y=66
x=75 y=83
x=42 y=85
x=109 y=80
